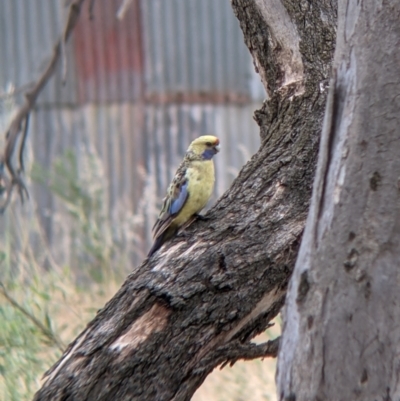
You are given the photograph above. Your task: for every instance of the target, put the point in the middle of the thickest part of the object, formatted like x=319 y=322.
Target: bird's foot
x=183 y=234
x=201 y=217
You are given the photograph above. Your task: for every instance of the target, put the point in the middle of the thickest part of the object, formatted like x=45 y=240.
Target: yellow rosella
x=188 y=192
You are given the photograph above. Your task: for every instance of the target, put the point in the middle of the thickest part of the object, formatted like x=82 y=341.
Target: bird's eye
x=208 y=143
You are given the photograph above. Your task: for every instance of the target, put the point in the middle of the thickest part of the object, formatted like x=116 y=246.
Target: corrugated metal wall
x=28 y=31
x=194 y=52
x=137 y=92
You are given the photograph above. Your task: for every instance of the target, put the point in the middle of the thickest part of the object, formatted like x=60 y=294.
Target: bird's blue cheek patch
x=208 y=154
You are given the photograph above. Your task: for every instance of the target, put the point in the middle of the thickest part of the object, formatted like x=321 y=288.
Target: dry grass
x=37 y=315
x=245 y=381
x=25 y=352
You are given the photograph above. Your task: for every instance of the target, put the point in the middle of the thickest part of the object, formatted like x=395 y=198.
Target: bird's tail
x=156 y=245
x=161 y=239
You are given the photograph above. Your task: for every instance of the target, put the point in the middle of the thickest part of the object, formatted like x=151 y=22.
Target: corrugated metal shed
x=108 y=54
x=194 y=53
x=28 y=31
x=137 y=92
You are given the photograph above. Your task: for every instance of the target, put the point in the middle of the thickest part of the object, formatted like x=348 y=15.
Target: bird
x=188 y=192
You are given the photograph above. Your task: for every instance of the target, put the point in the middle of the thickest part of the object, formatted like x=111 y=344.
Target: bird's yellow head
x=204 y=147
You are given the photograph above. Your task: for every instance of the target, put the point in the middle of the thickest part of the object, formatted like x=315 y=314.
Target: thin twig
x=22 y=146
x=123 y=9
x=233 y=351
x=252 y=351
x=45 y=331
x=20 y=119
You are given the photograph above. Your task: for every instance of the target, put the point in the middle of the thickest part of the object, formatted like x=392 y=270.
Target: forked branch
x=10 y=171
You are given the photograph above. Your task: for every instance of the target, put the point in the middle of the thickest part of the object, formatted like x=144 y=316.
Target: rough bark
x=341 y=339
x=200 y=300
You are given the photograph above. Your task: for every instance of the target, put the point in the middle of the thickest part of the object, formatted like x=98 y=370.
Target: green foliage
x=39 y=314
x=39 y=308
x=80 y=185
x=27 y=342
x=20 y=355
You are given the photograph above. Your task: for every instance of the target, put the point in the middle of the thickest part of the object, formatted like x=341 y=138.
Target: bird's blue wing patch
x=179 y=201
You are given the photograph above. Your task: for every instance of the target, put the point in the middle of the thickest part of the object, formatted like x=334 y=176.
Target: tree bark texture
x=201 y=299
x=341 y=337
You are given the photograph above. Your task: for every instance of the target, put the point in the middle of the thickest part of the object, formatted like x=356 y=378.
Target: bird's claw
x=201 y=217
x=183 y=234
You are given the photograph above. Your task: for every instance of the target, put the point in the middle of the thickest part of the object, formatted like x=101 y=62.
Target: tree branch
x=235 y=350
x=232 y=353
x=19 y=124
x=200 y=300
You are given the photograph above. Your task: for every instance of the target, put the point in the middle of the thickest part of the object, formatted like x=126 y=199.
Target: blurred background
x=140 y=84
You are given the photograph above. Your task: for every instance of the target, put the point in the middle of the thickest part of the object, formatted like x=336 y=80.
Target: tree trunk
x=341 y=338
x=200 y=300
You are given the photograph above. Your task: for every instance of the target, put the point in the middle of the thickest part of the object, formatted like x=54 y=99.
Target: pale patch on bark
x=68 y=356
x=105 y=328
x=277 y=196
x=263 y=306
x=109 y=325
x=285 y=43
x=152 y=321
x=165 y=256
x=337 y=150
x=351 y=18
x=196 y=247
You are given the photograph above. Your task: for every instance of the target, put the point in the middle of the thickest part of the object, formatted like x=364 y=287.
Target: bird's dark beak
x=217 y=148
